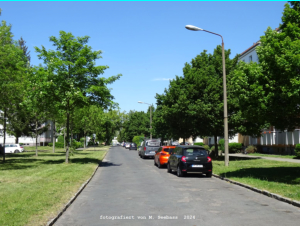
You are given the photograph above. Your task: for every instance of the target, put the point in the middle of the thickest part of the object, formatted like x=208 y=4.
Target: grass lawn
x=274 y=156
x=33 y=189
x=282 y=178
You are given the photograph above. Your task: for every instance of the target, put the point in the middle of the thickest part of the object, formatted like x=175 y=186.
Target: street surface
x=128 y=186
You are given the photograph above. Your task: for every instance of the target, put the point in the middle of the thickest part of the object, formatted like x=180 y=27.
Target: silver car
x=149 y=147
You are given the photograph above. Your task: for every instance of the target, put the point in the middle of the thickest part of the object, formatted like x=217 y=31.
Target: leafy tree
x=75 y=76
x=12 y=73
x=138 y=123
x=269 y=92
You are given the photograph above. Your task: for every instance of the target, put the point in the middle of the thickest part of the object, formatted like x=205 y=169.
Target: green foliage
x=297 y=150
x=251 y=149
x=212 y=148
x=269 y=91
x=199 y=143
x=234 y=147
x=206 y=147
x=222 y=145
x=138 y=140
x=57 y=144
x=138 y=122
x=60 y=139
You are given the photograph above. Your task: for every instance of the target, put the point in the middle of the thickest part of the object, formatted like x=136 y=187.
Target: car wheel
x=179 y=172
x=169 y=170
x=209 y=174
x=17 y=151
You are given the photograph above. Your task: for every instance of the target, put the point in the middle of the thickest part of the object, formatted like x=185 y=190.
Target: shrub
x=57 y=144
x=206 y=147
x=212 y=148
x=222 y=145
x=60 y=139
x=199 y=143
x=297 y=150
x=251 y=149
x=138 y=140
x=234 y=147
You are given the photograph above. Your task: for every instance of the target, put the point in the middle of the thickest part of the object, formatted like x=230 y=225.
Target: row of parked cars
x=181 y=158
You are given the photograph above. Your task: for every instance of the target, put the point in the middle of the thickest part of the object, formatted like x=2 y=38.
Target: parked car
x=162 y=155
x=149 y=147
x=186 y=143
x=175 y=143
x=13 y=148
x=186 y=158
x=140 y=148
x=127 y=145
x=132 y=146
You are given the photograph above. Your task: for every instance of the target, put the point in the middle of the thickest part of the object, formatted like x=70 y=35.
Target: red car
x=162 y=155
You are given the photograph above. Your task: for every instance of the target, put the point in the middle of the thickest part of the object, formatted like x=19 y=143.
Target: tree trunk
x=216 y=146
x=183 y=141
x=4 y=135
x=64 y=139
x=17 y=140
x=53 y=137
x=84 y=135
x=68 y=133
x=36 y=136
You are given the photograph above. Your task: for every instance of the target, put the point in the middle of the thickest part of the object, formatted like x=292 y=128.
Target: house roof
x=251 y=47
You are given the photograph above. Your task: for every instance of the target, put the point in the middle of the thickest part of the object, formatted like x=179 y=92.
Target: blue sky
x=145 y=41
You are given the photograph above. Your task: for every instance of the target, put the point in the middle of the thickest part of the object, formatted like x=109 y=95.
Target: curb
x=264 y=192
x=52 y=221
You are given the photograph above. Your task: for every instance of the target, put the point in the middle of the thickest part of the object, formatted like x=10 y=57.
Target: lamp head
x=140 y=102
x=193 y=28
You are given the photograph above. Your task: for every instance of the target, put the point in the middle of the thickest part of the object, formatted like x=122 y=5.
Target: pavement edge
x=264 y=192
x=53 y=220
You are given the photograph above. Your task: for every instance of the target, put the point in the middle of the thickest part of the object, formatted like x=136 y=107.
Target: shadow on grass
x=286 y=175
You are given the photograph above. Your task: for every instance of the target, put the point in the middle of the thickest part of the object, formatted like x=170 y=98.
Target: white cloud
x=162 y=79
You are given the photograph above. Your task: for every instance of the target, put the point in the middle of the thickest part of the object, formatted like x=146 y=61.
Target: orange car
x=162 y=155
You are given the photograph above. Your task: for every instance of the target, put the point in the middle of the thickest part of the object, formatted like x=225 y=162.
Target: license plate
x=152 y=151
x=198 y=166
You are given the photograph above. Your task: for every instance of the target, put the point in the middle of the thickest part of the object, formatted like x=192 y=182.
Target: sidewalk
x=269 y=158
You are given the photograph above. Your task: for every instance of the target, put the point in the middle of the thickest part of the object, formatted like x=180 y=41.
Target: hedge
x=234 y=147
x=57 y=144
x=199 y=143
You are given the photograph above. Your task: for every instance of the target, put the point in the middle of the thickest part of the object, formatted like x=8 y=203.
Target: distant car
x=132 y=146
x=187 y=159
x=149 y=147
x=162 y=155
x=175 y=143
x=127 y=145
x=13 y=148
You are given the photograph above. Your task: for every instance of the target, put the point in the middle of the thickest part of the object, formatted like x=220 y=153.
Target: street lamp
x=140 y=102
x=194 y=28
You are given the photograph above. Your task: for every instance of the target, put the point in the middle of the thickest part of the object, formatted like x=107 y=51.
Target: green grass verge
x=274 y=156
x=282 y=178
x=33 y=189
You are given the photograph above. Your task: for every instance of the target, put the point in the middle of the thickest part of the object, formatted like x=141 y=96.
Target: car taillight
x=208 y=159
x=21 y=147
x=183 y=159
x=163 y=153
x=144 y=148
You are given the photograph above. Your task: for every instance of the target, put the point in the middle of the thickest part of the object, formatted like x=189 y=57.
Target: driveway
x=127 y=186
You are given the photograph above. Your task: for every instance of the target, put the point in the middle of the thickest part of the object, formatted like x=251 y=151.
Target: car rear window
x=195 y=151
x=169 y=150
x=133 y=145
x=153 y=143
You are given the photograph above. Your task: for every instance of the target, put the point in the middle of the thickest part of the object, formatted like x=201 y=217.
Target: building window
x=250 y=58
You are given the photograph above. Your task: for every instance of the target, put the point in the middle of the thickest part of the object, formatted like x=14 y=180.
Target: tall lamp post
x=140 y=102
x=194 y=28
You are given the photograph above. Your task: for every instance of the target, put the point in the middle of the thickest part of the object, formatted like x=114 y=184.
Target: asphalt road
x=128 y=186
